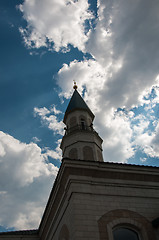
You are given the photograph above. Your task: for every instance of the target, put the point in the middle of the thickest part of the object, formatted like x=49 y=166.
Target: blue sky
x=111 y=49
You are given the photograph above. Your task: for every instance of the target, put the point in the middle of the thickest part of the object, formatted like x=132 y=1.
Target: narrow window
x=83 y=124
x=125 y=234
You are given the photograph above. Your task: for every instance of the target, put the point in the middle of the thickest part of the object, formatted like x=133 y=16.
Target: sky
x=111 y=49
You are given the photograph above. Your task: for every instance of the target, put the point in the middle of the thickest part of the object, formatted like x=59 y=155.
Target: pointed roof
x=77 y=103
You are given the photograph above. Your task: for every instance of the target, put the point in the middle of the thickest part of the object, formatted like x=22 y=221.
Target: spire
x=77 y=103
x=80 y=140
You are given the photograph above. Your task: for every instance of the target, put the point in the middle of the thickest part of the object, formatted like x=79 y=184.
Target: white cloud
x=52 y=21
x=41 y=111
x=140 y=125
x=86 y=74
x=36 y=139
x=55 y=154
x=133 y=42
x=55 y=110
x=124 y=70
x=25 y=182
x=50 y=121
x=117 y=138
x=143 y=159
x=155 y=141
x=149 y=143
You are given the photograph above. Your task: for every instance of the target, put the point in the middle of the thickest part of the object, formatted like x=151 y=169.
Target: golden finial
x=75 y=86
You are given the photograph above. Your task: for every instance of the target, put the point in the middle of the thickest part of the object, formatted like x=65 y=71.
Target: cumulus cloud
x=149 y=142
x=25 y=181
x=51 y=121
x=55 y=110
x=117 y=138
x=127 y=46
x=123 y=72
x=55 y=24
x=55 y=154
x=87 y=74
x=41 y=111
x=123 y=46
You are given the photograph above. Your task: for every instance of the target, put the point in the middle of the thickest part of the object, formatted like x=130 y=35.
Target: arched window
x=88 y=153
x=120 y=223
x=73 y=153
x=123 y=233
x=83 y=124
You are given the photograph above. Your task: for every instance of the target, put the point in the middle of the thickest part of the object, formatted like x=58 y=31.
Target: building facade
x=92 y=199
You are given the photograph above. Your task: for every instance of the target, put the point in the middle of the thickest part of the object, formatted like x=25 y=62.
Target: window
x=124 y=224
x=83 y=124
x=88 y=153
x=73 y=154
x=125 y=234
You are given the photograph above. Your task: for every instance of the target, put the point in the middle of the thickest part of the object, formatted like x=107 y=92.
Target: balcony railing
x=79 y=128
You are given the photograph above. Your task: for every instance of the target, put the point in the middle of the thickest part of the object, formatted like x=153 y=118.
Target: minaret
x=80 y=141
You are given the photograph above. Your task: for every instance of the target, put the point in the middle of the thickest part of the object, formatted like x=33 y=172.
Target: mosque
x=92 y=199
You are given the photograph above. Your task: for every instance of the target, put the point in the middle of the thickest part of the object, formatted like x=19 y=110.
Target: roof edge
x=20 y=232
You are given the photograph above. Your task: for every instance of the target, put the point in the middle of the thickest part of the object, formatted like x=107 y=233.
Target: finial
x=75 y=86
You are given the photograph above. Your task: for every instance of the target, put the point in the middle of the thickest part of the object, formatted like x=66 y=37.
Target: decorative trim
x=123 y=217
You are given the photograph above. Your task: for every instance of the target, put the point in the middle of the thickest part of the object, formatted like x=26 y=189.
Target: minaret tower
x=80 y=141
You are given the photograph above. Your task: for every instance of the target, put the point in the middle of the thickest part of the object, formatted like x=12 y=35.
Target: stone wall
x=97 y=197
